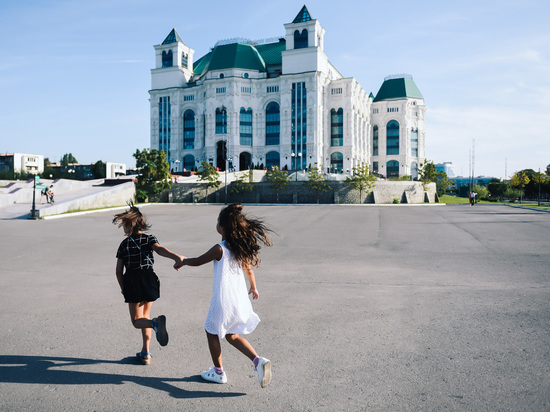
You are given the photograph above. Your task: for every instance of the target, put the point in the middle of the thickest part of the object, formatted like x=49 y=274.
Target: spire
x=173 y=37
x=302 y=16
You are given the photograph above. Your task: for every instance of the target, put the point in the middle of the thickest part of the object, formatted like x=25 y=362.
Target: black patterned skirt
x=140 y=285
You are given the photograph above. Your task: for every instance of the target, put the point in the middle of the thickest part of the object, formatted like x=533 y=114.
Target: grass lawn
x=453 y=200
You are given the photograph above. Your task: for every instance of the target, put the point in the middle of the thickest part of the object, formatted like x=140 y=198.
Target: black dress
x=140 y=283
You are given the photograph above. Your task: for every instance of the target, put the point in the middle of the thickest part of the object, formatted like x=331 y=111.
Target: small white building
x=21 y=162
x=280 y=102
x=113 y=170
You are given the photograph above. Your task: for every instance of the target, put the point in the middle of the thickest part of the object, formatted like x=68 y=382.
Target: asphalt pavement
x=362 y=308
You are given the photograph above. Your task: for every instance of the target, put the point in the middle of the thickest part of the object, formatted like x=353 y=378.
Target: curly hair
x=132 y=220
x=243 y=235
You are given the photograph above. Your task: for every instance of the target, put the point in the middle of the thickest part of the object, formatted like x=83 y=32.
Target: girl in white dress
x=231 y=312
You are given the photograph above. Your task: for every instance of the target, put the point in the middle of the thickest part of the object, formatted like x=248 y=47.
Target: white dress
x=230 y=308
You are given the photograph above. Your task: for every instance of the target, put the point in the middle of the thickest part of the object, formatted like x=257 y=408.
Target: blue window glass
x=272 y=159
x=299 y=125
x=414 y=143
x=245 y=126
x=337 y=127
x=189 y=129
x=221 y=121
x=189 y=162
x=375 y=141
x=336 y=162
x=272 y=124
x=392 y=138
x=167 y=58
x=164 y=125
x=300 y=39
x=392 y=168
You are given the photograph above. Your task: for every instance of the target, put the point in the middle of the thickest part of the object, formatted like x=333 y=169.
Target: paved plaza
x=363 y=308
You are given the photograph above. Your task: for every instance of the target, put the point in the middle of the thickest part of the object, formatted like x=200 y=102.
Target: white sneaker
x=264 y=372
x=212 y=376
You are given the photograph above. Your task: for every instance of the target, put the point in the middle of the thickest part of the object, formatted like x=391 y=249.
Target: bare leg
x=242 y=345
x=140 y=314
x=215 y=349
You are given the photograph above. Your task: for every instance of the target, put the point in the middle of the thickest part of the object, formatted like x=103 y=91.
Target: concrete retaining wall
x=110 y=196
x=298 y=192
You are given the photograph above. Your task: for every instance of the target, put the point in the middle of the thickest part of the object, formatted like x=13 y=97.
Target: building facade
x=21 y=162
x=280 y=102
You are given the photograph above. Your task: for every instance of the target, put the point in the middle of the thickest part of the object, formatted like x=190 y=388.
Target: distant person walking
x=138 y=282
x=230 y=311
x=472 y=197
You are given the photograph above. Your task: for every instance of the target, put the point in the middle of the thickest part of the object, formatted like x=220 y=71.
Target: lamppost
x=34 y=215
x=297 y=156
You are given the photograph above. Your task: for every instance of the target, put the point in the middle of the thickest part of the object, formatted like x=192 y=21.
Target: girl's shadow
x=50 y=370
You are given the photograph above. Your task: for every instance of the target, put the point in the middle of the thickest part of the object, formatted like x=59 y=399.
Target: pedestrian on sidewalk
x=231 y=312
x=138 y=282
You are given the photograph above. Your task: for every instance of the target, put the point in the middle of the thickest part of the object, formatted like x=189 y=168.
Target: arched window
x=414 y=142
x=272 y=124
x=245 y=159
x=167 y=59
x=221 y=121
x=336 y=162
x=375 y=141
x=245 y=126
x=300 y=39
x=392 y=138
x=337 y=127
x=189 y=129
x=184 y=60
x=189 y=162
x=272 y=159
x=392 y=168
x=414 y=170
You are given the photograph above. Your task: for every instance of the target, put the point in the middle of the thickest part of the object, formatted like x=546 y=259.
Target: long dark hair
x=132 y=220
x=243 y=235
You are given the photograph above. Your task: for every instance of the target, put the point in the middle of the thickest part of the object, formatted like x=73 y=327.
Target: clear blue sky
x=75 y=75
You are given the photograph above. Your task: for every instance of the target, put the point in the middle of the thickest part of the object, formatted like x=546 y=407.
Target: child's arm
x=215 y=252
x=119 y=272
x=161 y=250
x=252 y=280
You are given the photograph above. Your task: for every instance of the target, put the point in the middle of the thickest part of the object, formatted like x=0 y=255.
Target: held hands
x=179 y=262
x=254 y=292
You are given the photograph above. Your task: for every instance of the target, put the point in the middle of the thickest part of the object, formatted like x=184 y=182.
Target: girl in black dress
x=138 y=282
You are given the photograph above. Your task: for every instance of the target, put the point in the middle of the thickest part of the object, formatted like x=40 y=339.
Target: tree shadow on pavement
x=51 y=370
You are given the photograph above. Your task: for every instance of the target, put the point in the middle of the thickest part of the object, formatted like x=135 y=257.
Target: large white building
x=280 y=102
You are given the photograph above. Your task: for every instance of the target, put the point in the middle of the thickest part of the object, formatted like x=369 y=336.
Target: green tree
x=481 y=192
x=154 y=173
x=242 y=183
x=362 y=179
x=497 y=188
x=519 y=180
x=428 y=173
x=539 y=180
x=278 y=179
x=67 y=159
x=513 y=194
x=316 y=181
x=207 y=173
x=99 y=170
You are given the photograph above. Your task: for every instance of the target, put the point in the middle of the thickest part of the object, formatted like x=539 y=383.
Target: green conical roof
x=398 y=88
x=173 y=37
x=302 y=16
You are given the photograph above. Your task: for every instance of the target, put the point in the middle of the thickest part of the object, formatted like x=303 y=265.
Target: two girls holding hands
x=230 y=313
